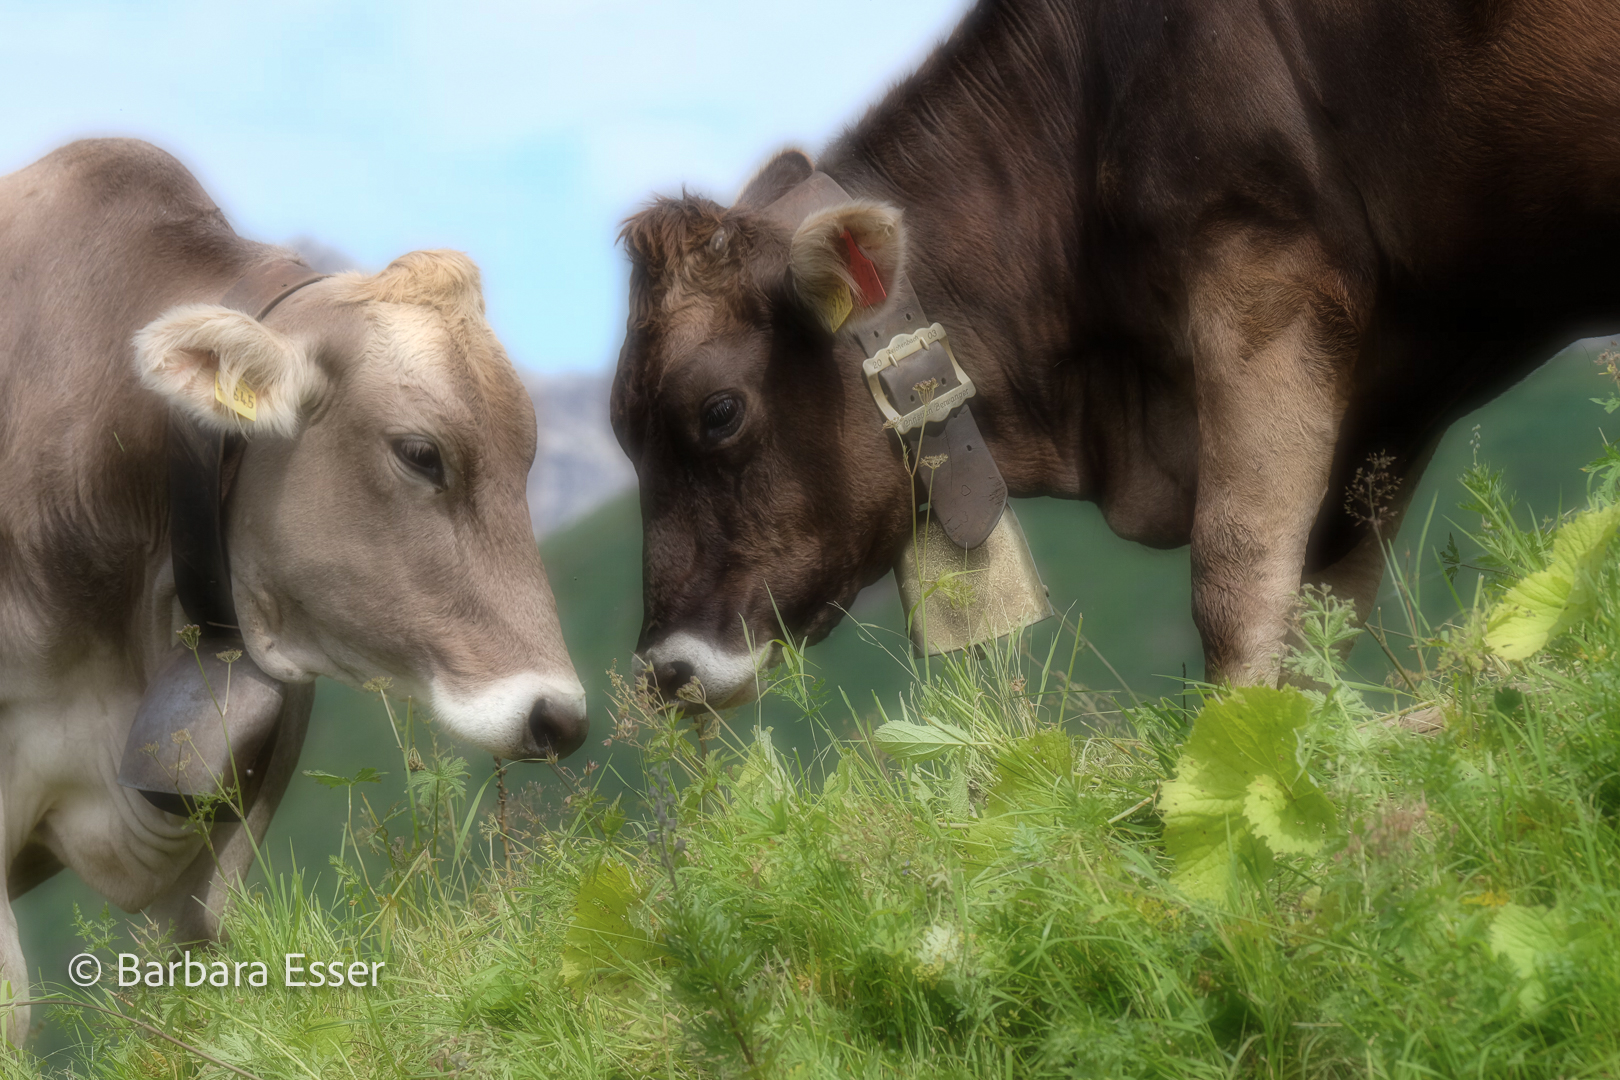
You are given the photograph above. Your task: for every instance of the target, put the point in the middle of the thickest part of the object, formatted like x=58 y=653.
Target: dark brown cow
x=1202 y=258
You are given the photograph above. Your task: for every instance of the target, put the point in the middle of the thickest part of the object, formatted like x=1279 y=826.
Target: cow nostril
x=558 y=727
x=672 y=675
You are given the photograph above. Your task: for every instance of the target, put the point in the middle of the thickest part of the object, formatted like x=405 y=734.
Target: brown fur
x=1202 y=258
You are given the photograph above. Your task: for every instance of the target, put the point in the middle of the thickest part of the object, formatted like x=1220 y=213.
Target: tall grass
x=978 y=884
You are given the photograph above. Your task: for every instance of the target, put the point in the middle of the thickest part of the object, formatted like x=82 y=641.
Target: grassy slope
x=995 y=896
x=1134 y=601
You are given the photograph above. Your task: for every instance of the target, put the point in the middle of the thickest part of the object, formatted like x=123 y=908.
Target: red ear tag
x=864 y=273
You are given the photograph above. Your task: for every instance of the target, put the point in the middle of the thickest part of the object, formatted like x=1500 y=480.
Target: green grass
x=972 y=875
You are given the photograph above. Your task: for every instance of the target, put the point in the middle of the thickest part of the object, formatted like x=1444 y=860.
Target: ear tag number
x=243 y=401
x=837 y=308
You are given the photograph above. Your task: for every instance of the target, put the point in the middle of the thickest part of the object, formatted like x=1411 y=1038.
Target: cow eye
x=421 y=457
x=722 y=413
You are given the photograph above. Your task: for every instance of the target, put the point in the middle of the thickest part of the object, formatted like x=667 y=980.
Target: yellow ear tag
x=837 y=307
x=244 y=402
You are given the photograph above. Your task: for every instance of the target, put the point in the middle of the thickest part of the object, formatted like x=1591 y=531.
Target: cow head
x=377 y=524
x=770 y=494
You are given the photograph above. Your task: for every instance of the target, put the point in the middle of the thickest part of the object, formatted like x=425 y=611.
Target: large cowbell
x=955 y=597
x=204 y=732
x=967 y=576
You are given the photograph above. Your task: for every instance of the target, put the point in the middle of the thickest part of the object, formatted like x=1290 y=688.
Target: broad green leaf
x=497 y=992
x=1550 y=601
x=1524 y=935
x=919 y=742
x=367 y=775
x=840 y=782
x=444 y=778
x=1293 y=822
x=1240 y=793
x=957 y=803
x=1022 y=789
x=601 y=939
x=762 y=775
x=1026 y=770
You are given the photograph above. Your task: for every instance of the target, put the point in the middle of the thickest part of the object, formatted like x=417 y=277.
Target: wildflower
x=1370 y=498
x=1609 y=361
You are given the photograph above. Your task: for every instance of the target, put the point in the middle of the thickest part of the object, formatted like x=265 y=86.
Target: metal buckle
x=901 y=347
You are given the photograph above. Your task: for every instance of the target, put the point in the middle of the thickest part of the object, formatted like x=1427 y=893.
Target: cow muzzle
x=529 y=715
x=685 y=667
x=558 y=725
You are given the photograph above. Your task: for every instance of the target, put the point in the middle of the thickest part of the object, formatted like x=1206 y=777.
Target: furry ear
x=846 y=258
x=225 y=369
x=776 y=179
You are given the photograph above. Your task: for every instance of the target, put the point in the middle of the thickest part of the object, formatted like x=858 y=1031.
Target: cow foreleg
x=1273 y=340
x=14 y=1011
x=193 y=906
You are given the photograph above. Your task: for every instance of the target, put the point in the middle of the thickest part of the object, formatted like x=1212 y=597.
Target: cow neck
x=963 y=489
x=202 y=464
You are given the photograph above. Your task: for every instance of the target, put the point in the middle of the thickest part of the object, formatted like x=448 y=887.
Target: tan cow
x=376 y=523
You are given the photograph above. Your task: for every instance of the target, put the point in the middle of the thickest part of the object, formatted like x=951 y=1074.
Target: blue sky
x=519 y=133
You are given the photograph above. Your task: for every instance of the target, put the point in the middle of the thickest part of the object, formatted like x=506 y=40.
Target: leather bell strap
x=181 y=749
x=197 y=464
x=963 y=488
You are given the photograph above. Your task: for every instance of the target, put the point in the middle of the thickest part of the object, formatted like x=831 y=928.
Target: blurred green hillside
x=1135 y=603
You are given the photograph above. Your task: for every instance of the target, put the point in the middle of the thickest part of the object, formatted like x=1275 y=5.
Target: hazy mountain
x=578 y=465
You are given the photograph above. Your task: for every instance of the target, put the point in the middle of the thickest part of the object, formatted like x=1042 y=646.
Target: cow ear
x=225 y=369
x=779 y=176
x=845 y=260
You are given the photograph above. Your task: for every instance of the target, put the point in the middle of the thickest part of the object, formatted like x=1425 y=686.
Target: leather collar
x=202 y=463
x=964 y=491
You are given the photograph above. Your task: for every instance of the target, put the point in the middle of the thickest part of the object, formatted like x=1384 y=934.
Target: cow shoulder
x=124 y=200
x=111 y=171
